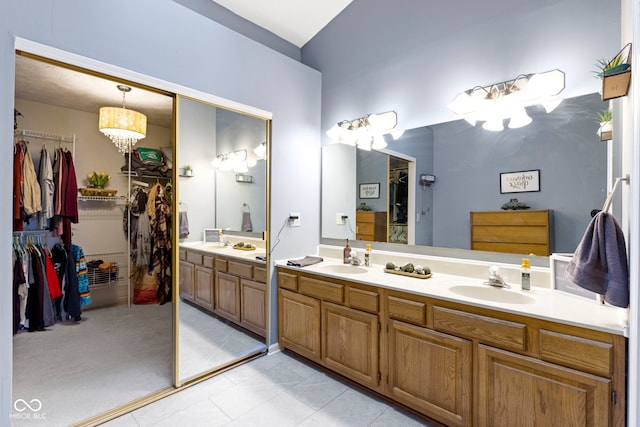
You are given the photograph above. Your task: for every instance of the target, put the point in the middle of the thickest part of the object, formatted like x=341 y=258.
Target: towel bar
x=607 y=203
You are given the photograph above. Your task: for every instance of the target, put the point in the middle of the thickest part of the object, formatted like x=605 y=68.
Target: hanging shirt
x=18 y=160
x=47 y=188
x=31 y=195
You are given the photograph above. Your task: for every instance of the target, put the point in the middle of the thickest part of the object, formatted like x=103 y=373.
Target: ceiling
x=296 y=21
x=293 y=20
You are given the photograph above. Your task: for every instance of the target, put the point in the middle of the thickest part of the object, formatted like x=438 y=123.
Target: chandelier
x=122 y=126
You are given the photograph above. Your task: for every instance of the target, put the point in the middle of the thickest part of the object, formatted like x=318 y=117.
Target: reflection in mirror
x=116 y=350
x=467 y=162
x=222 y=287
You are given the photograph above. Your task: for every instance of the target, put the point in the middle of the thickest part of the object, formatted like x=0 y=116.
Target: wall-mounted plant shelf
x=616 y=75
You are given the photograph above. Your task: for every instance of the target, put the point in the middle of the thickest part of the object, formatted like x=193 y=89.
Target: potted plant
x=605 y=131
x=615 y=74
x=98 y=179
x=188 y=171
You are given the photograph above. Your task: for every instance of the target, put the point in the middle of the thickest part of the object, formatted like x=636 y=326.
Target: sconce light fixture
x=234 y=160
x=365 y=132
x=122 y=126
x=507 y=100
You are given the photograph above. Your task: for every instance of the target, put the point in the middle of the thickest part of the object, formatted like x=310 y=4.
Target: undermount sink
x=342 y=269
x=491 y=293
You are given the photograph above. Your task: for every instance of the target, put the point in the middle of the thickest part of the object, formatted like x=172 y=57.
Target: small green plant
x=604 y=65
x=604 y=116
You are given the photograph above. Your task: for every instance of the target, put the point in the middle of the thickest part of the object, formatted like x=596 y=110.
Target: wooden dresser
x=519 y=231
x=371 y=226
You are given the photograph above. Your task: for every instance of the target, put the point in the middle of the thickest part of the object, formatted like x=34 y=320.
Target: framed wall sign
x=370 y=191
x=520 y=182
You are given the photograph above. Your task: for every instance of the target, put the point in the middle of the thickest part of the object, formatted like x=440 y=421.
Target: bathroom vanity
x=228 y=282
x=456 y=350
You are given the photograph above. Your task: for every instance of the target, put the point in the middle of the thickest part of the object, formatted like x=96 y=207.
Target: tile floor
x=273 y=390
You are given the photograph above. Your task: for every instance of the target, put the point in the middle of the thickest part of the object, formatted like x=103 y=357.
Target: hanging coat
x=47 y=188
x=31 y=195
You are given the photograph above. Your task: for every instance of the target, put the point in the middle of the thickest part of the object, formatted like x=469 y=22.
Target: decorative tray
x=240 y=248
x=404 y=273
x=97 y=192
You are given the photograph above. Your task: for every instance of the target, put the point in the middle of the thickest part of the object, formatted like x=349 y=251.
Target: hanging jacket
x=31 y=195
x=81 y=272
x=47 y=188
x=18 y=160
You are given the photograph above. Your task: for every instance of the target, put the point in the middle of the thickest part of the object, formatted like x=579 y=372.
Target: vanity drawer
x=362 y=299
x=489 y=330
x=194 y=258
x=321 y=289
x=182 y=255
x=288 y=281
x=207 y=261
x=260 y=274
x=407 y=310
x=240 y=269
x=575 y=352
x=221 y=264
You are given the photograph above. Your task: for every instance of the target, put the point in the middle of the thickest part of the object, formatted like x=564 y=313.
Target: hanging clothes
x=31 y=194
x=47 y=188
x=19 y=294
x=81 y=272
x=161 y=247
x=18 y=160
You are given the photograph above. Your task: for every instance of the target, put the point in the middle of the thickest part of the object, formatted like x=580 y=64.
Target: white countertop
x=217 y=249
x=545 y=304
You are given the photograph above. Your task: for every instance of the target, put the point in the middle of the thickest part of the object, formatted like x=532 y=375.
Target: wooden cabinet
x=227 y=296
x=232 y=288
x=186 y=282
x=350 y=343
x=431 y=372
x=371 y=226
x=299 y=323
x=458 y=364
x=518 y=390
x=253 y=297
x=203 y=286
x=518 y=231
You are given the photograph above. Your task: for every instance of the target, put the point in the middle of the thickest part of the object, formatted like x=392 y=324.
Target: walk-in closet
x=97 y=316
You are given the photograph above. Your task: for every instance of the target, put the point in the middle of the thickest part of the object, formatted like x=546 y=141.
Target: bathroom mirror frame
x=98 y=69
x=463 y=253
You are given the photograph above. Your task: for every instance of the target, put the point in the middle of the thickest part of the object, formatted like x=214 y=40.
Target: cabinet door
x=350 y=343
x=186 y=280
x=518 y=390
x=431 y=372
x=299 y=323
x=227 y=296
x=253 y=306
x=204 y=287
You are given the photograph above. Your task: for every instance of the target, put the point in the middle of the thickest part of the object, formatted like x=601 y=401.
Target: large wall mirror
x=230 y=197
x=121 y=348
x=467 y=162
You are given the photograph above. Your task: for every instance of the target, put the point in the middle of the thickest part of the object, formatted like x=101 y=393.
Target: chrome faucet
x=495 y=279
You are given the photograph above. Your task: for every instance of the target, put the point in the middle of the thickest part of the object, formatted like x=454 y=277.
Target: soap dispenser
x=346 y=253
x=367 y=256
x=525 y=274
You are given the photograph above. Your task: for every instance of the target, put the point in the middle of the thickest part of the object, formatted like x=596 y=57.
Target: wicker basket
x=97 y=192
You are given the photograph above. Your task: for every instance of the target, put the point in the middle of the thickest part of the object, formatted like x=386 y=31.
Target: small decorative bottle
x=367 y=256
x=525 y=274
x=346 y=253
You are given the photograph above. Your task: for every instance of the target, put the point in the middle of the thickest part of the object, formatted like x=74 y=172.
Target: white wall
x=163 y=40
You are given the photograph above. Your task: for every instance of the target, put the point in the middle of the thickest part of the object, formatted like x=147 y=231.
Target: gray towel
x=246 y=222
x=303 y=262
x=600 y=261
x=183 y=221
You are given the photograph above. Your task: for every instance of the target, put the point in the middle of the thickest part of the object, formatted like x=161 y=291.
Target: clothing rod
x=19 y=233
x=607 y=203
x=49 y=136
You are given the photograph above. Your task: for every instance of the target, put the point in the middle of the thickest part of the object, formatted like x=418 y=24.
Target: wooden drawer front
x=362 y=299
x=327 y=291
x=260 y=274
x=194 y=258
x=366 y=228
x=288 y=281
x=574 y=352
x=533 y=217
x=502 y=333
x=207 y=261
x=510 y=234
x=407 y=310
x=220 y=264
x=182 y=255
x=240 y=269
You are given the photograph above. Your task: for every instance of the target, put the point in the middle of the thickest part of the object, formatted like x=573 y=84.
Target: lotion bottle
x=346 y=253
x=367 y=256
x=525 y=274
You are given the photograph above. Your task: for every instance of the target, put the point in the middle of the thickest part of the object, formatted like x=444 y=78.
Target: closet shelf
x=102 y=199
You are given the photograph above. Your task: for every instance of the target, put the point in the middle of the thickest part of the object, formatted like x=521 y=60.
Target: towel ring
x=185 y=205
x=246 y=208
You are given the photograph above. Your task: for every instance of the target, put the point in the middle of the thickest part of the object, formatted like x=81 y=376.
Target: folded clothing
x=303 y=262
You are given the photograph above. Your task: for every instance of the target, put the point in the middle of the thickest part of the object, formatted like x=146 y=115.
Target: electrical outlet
x=341 y=218
x=294 y=219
